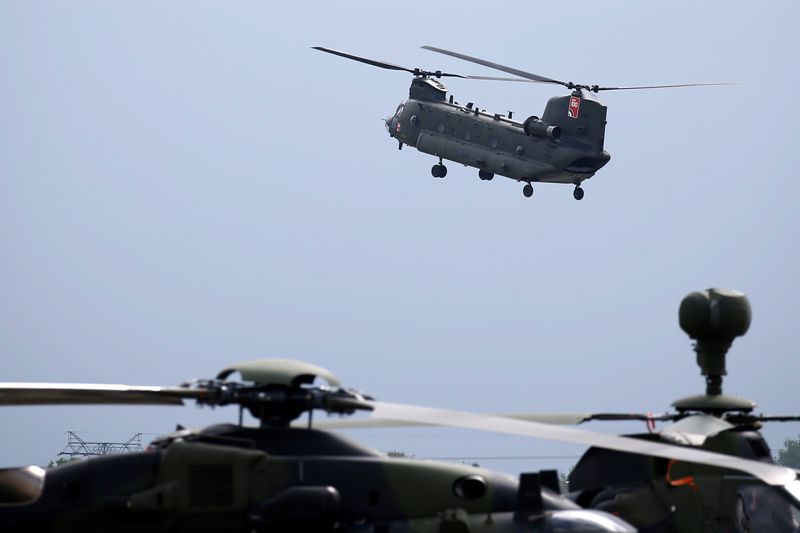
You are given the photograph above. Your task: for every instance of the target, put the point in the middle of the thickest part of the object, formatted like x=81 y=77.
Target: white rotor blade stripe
x=568 y=419
x=769 y=473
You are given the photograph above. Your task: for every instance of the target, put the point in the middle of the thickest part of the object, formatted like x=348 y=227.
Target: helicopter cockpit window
x=399 y=111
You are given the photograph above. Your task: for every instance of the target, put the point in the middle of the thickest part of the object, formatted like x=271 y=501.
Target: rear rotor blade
x=769 y=473
x=542 y=79
x=669 y=86
x=385 y=64
x=78 y=393
x=497 y=66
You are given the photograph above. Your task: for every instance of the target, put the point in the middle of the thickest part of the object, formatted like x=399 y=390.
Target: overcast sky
x=187 y=184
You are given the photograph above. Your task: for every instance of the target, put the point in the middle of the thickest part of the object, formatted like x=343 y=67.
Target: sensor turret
x=714 y=318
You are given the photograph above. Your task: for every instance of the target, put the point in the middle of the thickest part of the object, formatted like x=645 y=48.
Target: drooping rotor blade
x=669 y=86
x=746 y=418
x=385 y=64
x=764 y=418
x=567 y=419
x=78 y=393
x=497 y=66
x=770 y=474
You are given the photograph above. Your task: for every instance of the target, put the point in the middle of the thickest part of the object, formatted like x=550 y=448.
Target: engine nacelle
x=536 y=128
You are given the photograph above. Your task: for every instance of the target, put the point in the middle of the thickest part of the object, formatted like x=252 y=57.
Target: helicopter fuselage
x=232 y=478
x=648 y=492
x=558 y=148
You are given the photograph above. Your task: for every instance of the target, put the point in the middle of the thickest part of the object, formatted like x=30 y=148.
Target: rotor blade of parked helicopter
x=744 y=418
x=770 y=474
x=385 y=64
x=79 y=393
x=567 y=419
x=560 y=419
x=496 y=66
x=652 y=417
x=669 y=86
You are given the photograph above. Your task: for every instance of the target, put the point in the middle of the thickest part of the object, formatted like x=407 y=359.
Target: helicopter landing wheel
x=527 y=190
x=438 y=171
x=485 y=175
x=577 y=193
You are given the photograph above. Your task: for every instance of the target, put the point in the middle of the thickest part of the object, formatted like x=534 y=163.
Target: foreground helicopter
x=665 y=495
x=658 y=494
x=565 y=145
x=276 y=477
x=228 y=478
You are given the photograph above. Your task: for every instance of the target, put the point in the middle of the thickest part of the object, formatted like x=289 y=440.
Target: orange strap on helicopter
x=680 y=482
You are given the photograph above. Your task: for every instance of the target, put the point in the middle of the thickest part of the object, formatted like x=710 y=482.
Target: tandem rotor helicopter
x=709 y=471
x=565 y=145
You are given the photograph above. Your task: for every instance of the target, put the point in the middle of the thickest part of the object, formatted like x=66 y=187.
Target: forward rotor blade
x=497 y=66
x=669 y=86
x=500 y=78
x=385 y=64
x=78 y=393
x=373 y=62
x=770 y=474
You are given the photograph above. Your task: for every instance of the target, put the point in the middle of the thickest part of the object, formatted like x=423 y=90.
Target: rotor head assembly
x=275 y=391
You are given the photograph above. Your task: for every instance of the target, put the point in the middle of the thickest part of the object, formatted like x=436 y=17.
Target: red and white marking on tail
x=574 y=107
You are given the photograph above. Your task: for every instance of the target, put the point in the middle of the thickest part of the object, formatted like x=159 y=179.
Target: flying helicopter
x=565 y=145
x=275 y=477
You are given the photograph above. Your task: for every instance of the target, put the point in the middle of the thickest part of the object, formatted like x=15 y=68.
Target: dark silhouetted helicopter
x=277 y=477
x=565 y=145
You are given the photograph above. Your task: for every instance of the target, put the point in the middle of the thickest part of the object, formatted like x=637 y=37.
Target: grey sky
x=187 y=184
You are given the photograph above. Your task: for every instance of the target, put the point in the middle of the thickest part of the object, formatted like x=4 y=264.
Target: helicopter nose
x=388 y=123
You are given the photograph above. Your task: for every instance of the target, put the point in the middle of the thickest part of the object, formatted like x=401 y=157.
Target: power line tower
x=77 y=447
